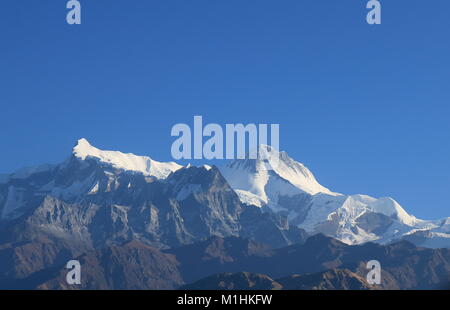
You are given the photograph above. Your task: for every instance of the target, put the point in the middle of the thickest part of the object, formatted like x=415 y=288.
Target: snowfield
x=291 y=188
x=128 y=162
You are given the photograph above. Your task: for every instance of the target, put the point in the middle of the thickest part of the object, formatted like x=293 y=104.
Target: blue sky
x=366 y=108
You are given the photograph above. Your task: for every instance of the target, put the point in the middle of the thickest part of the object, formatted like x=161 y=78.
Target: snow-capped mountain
x=127 y=162
x=72 y=179
x=133 y=222
x=292 y=189
x=102 y=197
x=257 y=185
x=97 y=198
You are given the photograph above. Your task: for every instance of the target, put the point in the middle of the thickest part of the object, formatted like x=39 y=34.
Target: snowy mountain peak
x=253 y=175
x=83 y=149
x=297 y=174
x=128 y=162
x=290 y=187
x=392 y=208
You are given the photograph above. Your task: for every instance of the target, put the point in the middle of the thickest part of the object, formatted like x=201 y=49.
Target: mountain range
x=234 y=263
x=291 y=189
x=137 y=223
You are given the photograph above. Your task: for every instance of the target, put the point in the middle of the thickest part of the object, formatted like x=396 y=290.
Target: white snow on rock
x=294 y=172
x=323 y=211
x=127 y=162
x=431 y=238
x=251 y=177
x=339 y=217
x=73 y=190
x=390 y=207
x=94 y=190
x=249 y=198
x=207 y=167
x=187 y=190
x=288 y=187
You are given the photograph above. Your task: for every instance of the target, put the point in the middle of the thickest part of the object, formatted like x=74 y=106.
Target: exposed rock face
x=235 y=281
x=135 y=223
x=90 y=205
x=404 y=266
x=290 y=188
x=127 y=267
x=219 y=255
x=335 y=279
x=230 y=263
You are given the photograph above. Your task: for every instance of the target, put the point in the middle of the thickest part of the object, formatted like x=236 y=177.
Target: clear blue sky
x=365 y=107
